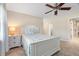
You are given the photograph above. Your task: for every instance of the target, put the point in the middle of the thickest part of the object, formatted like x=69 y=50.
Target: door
x=3 y=29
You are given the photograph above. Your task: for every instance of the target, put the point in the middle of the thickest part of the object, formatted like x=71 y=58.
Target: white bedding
x=40 y=44
x=38 y=37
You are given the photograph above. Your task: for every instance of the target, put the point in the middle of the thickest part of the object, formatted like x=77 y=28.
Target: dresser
x=14 y=41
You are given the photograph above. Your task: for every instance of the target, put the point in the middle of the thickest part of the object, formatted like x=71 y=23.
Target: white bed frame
x=42 y=48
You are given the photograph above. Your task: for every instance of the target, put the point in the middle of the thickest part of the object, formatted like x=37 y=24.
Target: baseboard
x=64 y=39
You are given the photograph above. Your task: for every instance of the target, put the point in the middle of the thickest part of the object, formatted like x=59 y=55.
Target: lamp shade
x=12 y=30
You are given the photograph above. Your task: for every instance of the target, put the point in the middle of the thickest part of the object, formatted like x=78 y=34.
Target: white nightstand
x=14 y=41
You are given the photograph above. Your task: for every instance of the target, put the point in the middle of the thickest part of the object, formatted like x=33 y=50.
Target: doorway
x=75 y=28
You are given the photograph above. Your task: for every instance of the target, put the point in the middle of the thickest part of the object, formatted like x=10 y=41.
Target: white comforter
x=38 y=37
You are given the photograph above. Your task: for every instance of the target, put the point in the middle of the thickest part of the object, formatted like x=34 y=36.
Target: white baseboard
x=65 y=39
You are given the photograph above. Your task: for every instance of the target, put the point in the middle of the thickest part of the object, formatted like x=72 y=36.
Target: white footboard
x=45 y=48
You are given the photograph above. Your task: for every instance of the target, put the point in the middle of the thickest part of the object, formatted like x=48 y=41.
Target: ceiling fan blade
x=48 y=11
x=60 y=4
x=65 y=8
x=50 y=6
x=56 y=12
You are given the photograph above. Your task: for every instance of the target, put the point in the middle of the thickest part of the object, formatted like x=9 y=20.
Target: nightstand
x=14 y=41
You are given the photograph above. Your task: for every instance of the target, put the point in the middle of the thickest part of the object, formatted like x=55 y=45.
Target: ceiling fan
x=57 y=7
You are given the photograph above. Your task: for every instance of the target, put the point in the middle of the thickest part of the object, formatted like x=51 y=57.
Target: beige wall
x=18 y=19
x=61 y=23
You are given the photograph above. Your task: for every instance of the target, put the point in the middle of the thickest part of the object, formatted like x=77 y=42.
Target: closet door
x=0 y=34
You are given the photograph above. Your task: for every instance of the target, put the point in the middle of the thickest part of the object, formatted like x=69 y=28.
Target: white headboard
x=30 y=30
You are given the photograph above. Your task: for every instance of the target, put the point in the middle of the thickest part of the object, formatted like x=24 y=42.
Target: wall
x=61 y=22
x=19 y=19
x=60 y=26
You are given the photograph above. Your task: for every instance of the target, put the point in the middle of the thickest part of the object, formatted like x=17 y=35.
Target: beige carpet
x=70 y=48
x=18 y=51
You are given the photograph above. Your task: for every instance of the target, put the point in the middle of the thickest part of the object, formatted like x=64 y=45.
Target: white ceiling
x=35 y=9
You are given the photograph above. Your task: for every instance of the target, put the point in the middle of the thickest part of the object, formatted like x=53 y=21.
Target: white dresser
x=14 y=41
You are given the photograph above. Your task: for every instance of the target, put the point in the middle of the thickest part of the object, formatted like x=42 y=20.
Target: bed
x=37 y=44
